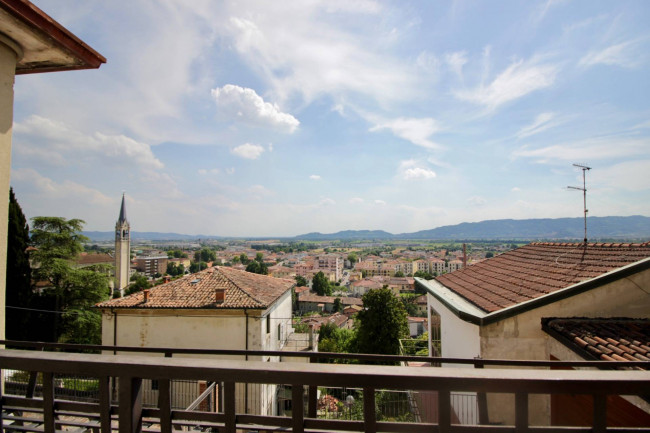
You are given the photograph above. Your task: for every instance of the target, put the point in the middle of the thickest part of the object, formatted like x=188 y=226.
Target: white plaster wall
x=7 y=70
x=459 y=339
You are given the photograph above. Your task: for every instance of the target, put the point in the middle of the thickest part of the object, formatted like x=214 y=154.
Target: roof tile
x=242 y=290
x=537 y=269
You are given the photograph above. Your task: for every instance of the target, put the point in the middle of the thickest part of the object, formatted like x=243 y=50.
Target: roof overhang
x=43 y=44
x=469 y=312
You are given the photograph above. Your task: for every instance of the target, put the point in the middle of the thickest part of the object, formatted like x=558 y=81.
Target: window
x=268 y=325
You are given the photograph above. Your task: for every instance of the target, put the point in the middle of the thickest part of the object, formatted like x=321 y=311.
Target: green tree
x=423 y=274
x=489 y=255
x=243 y=258
x=139 y=283
x=336 y=340
x=338 y=305
x=257 y=268
x=205 y=255
x=321 y=285
x=198 y=266
x=73 y=291
x=19 y=291
x=381 y=323
x=300 y=281
x=353 y=258
x=399 y=274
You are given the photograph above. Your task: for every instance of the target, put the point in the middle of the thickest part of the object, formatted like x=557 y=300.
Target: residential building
x=218 y=308
x=495 y=309
x=151 y=265
x=309 y=302
x=330 y=263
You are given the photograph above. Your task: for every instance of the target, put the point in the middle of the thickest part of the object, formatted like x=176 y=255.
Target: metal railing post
x=369 y=414
x=600 y=413
x=521 y=412
x=105 y=404
x=48 y=403
x=444 y=410
x=165 y=405
x=130 y=404
x=297 y=408
x=229 y=407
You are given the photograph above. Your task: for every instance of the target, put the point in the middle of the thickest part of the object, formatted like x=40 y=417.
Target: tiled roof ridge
x=596 y=244
x=224 y=274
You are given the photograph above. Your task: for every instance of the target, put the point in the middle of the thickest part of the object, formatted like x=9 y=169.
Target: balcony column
x=10 y=53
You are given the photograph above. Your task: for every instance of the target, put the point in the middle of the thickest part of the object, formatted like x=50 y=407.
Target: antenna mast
x=584 y=169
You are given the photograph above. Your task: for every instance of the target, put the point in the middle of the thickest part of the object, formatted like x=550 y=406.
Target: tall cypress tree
x=19 y=290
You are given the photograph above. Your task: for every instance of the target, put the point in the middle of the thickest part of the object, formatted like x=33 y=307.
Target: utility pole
x=584 y=169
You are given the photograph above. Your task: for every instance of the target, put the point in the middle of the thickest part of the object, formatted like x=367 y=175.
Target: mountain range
x=612 y=227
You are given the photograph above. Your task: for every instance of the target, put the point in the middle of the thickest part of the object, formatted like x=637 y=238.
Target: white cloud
x=248 y=151
x=230 y=170
x=326 y=202
x=247 y=106
x=356 y=200
x=418 y=173
x=309 y=49
x=456 y=61
x=541 y=123
x=414 y=170
x=417 y=131
x=55 y=143
x=624 y=55
x=594 y=149
x=204 y=171
x=518 y=80
x=66 y=190
x=476 y=201
x=515 y=189
x=428 y=62
x=315 y=177
x=260 y=191
x=380 y=202
x=270 y=147
x=626 y=176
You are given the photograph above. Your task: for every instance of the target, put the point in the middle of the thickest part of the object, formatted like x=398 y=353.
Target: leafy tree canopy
x=300 y=281
x=381 y=323
x=321 y=285
x=73 y=291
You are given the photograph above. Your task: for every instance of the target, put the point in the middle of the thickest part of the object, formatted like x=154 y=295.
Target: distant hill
x=613 y=227
x=145 y=236
x=632 y=227
x=347 y=234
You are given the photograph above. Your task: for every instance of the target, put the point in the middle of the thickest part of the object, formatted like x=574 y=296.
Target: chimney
x=167 y=279
x=219 y=295
x=464 y=256
x=146 y=295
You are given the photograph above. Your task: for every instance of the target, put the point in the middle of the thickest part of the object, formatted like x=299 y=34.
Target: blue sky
x=280 y=118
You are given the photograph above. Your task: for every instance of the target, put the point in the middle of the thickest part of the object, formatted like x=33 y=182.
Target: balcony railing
x=127 y=413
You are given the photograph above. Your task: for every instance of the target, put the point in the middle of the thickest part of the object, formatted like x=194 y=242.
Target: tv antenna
x=584 y=169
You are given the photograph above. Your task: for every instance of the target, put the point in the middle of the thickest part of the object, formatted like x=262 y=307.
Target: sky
x=256 y=118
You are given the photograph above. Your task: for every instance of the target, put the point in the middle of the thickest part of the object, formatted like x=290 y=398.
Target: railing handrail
x=476 y=362
x=349 y=375
x=129 y=372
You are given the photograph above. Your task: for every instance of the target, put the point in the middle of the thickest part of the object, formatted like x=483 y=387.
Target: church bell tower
x=122 y=250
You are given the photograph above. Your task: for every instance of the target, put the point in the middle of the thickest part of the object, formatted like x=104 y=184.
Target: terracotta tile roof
x=617 y=339
x=85 y=259
x=537 y=269
x=242 y=290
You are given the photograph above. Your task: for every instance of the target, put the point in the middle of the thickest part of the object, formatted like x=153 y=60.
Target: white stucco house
x=495 y=309
x=218 y=308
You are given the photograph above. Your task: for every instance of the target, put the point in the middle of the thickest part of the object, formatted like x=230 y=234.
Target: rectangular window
x=268 y=325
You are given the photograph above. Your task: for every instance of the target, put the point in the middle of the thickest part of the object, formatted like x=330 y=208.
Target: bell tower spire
x=122 y=250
